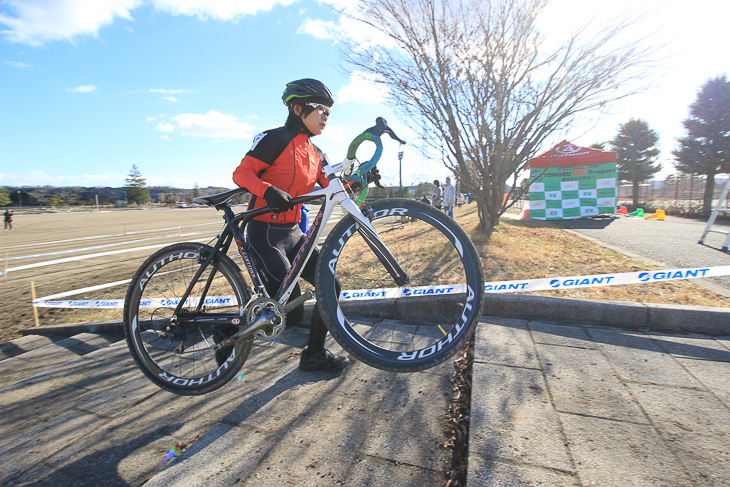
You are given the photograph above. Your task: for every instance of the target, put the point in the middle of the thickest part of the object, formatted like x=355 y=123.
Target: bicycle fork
x=378 y=247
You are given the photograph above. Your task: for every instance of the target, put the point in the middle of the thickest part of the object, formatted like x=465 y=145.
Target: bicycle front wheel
x=401 y=328
x=176 y=356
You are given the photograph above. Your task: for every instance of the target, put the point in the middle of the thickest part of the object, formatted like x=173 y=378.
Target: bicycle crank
x=266 y=320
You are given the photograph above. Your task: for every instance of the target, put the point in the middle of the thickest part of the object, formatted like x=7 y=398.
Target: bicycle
x=412 y=286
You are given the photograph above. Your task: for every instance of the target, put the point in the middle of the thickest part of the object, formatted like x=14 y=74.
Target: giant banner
x=569 y=182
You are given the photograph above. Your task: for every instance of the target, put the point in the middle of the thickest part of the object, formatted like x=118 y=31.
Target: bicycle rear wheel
x=180 y=357
x=401 y=328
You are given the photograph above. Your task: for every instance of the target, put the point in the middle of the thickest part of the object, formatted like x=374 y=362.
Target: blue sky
x=179 y=87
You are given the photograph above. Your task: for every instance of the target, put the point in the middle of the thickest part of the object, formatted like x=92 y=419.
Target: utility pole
x=400 y=169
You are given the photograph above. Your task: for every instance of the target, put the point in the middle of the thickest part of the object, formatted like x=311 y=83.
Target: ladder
x=721 y=206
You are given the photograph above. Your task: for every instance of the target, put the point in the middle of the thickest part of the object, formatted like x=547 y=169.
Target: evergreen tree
x=136 y=187
x=4 y=197
x=706 y=148
x=196 y=191
x=636 y=147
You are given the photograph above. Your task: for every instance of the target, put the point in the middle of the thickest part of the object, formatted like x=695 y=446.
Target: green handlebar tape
x=362 y=196
x=356 y=143
x=352 y=150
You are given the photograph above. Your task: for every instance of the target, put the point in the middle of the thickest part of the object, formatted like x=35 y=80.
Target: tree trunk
x=485 y=219
x=709 y=192
x=635 y=190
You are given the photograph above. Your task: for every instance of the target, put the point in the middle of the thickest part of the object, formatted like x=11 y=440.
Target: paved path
x=77 y=412
x=558 y=405
x=552 y=405
x=672 y=242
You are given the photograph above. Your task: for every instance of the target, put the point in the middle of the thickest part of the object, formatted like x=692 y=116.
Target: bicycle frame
x=336 y=193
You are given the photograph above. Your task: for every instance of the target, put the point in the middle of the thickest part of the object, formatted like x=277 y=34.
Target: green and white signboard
x=571 y=187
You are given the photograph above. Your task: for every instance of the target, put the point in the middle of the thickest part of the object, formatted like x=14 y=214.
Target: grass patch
x=532 y=249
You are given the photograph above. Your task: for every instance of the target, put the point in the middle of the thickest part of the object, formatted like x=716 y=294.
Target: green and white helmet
x=307 y=89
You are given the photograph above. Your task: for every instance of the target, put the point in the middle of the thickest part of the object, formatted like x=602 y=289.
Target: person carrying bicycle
x=284 y=163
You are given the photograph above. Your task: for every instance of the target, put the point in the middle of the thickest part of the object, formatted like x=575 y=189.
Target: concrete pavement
x=553 y=404
x=559 y=405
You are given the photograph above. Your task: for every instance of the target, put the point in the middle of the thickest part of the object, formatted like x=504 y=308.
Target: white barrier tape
x=600 y=280
x=52 y=297
x=400 y=292
x=213 y=301
x=95 y=237
x=546 y=284
x=84 y=257
x=87 y=249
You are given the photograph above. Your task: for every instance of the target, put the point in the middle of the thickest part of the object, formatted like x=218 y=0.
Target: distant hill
x=80 y=195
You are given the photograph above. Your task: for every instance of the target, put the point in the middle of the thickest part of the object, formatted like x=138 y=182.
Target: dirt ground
x=52 y=240
x=78 y=250
x=45 y=238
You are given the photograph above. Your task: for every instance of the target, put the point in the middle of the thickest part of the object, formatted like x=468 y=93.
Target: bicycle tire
x=177 y=358
x=401 y=328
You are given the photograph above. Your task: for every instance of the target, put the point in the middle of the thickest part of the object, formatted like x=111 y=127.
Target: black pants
x=274 y=246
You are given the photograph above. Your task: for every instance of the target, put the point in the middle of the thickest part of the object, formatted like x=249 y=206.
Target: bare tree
x=484 y=87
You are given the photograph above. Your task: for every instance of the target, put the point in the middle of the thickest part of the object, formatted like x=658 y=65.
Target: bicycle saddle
x=217 y=199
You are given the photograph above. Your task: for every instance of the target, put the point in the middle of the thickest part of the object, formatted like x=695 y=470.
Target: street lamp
x=400 y=169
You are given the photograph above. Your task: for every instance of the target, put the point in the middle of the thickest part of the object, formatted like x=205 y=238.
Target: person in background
x=282 y=164
x=8 y=220
x=449 y=198
x=436 y=198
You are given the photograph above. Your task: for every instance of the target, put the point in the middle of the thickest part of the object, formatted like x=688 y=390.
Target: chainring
x=254 y=311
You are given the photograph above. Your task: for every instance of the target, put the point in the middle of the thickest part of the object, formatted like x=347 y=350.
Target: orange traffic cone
x=659 y=215
x=525 y=214
x=622 y=210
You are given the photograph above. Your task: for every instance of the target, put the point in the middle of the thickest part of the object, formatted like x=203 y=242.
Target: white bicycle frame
x=335 y=194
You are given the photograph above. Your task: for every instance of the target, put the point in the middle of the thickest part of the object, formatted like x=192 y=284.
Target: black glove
x=278 y=200
x=373 y=176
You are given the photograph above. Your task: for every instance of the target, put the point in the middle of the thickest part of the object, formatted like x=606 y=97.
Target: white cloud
x=339 y=4
x=18 y=64
x=331 y=135
x=213 y=124
x=83 y=89
x=362 y=88
x=170 y=99
x=165 y=137
x=320 y=29
x=164 y=91
x=346 y=26
x=34 y=22
x=217 y=9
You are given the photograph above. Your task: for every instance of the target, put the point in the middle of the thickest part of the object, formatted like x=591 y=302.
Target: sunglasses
x=322 y=109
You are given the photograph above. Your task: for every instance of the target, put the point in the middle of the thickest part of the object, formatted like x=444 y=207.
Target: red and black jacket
x=283 y=157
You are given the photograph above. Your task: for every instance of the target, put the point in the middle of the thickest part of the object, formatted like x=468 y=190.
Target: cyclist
x=283 y=163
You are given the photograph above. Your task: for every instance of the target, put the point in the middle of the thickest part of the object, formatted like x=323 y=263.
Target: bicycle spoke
x=179 y=355
x=392 y=326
